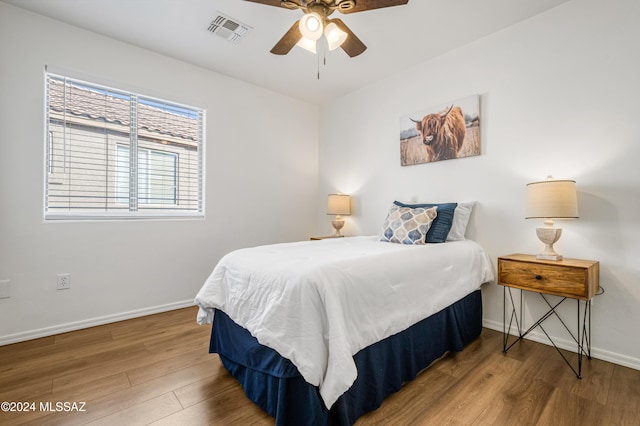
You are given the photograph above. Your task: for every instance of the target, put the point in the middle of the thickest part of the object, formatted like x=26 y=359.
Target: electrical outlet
x=5 y=289
x=64 y=281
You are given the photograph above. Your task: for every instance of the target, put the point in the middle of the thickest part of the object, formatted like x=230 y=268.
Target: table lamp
x=548 y=200
x=338 y=204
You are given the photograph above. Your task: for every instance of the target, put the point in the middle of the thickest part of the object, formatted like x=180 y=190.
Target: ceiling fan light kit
x=315 y=23
x=333 y=35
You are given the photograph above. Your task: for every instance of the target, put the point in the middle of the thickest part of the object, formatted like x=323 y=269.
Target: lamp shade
x=335 y=36
x=339 y=204
x=311 y=26
x=307 y=44
x=552 y=199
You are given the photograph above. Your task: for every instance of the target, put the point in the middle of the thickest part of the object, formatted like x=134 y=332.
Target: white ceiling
x=397 y=37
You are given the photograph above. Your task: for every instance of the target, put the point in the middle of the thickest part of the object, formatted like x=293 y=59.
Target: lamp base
x=337 y=224
x=549 y=236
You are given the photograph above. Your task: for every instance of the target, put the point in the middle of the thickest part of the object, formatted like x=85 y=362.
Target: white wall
x=256 y=163
x=559 y=95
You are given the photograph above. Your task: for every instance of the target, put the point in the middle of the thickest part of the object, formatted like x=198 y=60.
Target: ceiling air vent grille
x=228 y=28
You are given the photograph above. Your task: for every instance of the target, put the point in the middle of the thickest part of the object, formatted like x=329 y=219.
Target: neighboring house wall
x=559 y=95
x=107 y=149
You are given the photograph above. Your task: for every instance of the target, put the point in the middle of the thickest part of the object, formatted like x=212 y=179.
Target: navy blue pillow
x=441 y=226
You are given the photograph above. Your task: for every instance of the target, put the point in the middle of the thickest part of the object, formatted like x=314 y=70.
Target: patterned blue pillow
x=405 y=225
x=442 y=223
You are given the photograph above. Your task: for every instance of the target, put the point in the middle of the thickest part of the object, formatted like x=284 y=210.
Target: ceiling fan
x=315 y=23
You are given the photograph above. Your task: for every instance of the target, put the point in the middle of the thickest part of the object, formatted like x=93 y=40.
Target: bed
x=320 y=332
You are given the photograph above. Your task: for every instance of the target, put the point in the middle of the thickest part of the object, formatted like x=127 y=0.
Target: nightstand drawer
x=570 y=277
x=544 y=278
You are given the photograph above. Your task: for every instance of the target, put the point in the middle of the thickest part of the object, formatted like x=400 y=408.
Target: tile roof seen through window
x=100 y=105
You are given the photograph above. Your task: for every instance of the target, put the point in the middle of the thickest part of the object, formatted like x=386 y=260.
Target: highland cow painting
x=444 y=132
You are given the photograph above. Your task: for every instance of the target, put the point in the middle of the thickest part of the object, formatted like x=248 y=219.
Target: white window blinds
x=113 y=154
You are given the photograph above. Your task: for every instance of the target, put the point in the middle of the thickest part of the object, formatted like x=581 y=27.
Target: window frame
x=191 y=208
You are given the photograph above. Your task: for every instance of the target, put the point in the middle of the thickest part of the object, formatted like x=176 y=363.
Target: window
x=113 y=154
x=157 y=172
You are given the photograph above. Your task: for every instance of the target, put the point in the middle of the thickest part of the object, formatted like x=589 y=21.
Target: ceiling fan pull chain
x=321 y=47
x=324 y=51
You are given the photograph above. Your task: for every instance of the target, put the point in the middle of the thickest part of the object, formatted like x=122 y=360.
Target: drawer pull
x=538 y=277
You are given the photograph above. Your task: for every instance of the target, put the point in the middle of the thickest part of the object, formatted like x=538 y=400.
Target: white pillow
x=461 y=216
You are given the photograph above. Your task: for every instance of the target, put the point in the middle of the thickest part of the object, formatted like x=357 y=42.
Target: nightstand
x=326 y=237
x=569 y=278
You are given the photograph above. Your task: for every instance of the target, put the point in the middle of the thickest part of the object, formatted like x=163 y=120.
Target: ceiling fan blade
x=362 y=5
x=352 y=45
x=267 y=2
x=286 y=43
x=277 y=3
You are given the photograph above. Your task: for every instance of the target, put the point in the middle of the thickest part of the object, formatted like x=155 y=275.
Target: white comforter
x=318 y=303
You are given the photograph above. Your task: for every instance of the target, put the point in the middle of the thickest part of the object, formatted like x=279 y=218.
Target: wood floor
x=156 y=370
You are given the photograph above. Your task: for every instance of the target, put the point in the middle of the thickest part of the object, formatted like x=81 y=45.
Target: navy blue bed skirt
x=276 y=386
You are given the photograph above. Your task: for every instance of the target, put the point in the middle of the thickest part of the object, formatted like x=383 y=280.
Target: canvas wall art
x=443 y=132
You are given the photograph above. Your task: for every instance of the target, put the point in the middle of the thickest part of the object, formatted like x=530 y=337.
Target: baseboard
x=64 y=328
x=570 y=345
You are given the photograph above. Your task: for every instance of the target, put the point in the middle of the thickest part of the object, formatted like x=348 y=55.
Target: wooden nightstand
x=326 y=237
x=569 y=278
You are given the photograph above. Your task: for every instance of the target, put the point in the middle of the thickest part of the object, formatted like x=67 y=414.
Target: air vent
x=228 y=28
